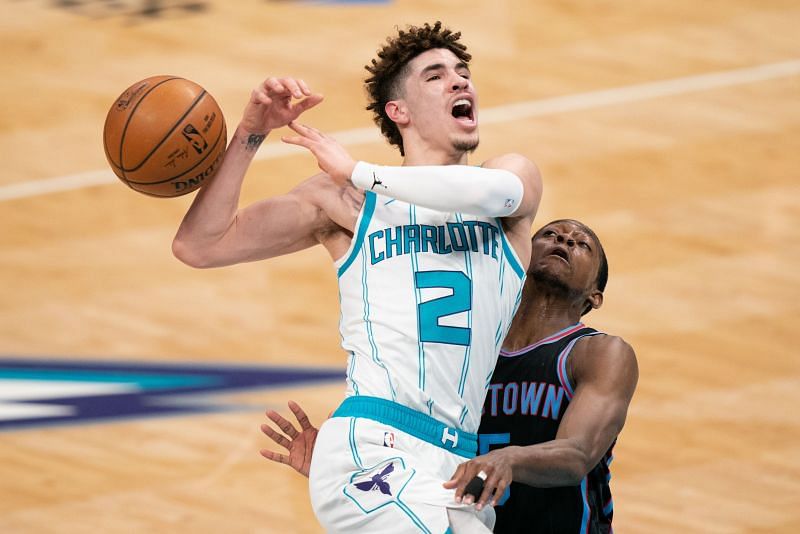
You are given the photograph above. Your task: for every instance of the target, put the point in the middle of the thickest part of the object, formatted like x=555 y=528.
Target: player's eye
x=434 y=77
x=585 y=245
x=548 y=233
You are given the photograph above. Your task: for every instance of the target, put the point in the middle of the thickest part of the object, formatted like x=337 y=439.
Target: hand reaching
x=271 y=106
x=331 y=156
x=299 y=443
x=495 y=468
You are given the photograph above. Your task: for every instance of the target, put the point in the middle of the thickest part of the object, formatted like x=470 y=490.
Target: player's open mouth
x=560 y=253
x=463 y=112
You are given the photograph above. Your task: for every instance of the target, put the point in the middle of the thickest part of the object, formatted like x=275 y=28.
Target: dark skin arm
x=604 y=373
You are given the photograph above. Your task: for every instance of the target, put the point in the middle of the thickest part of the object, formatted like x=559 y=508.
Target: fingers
x=498 y=493
x=308 y=103
x=283 y=424
x=288 y=87
x=306 y=131
x=297 y=140
x=308 y=137
x=489 y=486
x=292 y=87
x=276 y=437
x=495 y=484
x=276 y=87
x=304 y=87
x=454 y=480
x=461 y=480
x=274 y=456
x=300 y=415
x=259 y=96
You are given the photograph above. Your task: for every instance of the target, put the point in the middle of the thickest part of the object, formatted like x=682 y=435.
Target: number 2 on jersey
x=430 y=312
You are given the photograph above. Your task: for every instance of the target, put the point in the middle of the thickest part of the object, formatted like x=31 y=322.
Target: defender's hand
x=271 y=106
x=496 y=466
x=299 y=443
x=331 y=156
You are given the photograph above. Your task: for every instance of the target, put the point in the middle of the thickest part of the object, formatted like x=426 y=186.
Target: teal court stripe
x=143 y=380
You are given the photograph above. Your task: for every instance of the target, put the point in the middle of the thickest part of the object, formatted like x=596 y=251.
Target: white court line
x=499 y=114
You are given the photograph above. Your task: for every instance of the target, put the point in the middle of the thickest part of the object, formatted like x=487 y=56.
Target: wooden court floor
x=670 y=127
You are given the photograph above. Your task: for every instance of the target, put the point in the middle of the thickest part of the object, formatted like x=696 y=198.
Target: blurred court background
x=670 y=127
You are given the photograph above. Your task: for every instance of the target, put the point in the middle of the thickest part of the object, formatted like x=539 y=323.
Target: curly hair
x=389 y=70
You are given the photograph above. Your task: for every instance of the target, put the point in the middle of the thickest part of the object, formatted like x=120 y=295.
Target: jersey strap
x=411 y=422
x=358 y=240
x=561 y=365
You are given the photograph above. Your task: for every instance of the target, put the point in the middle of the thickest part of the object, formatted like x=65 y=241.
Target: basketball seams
x=223 y=131
x=151 y=133
x=121 y=166
x=143 y=187
x=197 y=100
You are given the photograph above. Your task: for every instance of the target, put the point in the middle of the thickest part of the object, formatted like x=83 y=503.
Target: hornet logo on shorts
x=378 y=481
x=38 y=392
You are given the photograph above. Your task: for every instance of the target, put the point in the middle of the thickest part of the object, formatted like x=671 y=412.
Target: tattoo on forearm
x=254 y=141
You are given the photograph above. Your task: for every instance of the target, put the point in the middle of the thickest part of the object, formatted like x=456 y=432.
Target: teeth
x=462 y=102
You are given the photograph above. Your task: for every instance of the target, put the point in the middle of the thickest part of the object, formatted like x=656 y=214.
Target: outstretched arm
x=214 y=231
x=505 y=186
x=605 y=373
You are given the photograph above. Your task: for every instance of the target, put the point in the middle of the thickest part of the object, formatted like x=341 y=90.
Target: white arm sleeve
x=448 y=188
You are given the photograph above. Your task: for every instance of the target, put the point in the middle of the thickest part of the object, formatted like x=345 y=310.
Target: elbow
x=578 y=469
x=502 y=196
x=575 y=468
x=574 y=474
x=189 y=255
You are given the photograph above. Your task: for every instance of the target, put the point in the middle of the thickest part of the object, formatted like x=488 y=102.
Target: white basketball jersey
x=426 y=298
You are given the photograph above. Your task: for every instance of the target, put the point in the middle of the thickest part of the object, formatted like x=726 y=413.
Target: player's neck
x=420 y=154
x=541 y=314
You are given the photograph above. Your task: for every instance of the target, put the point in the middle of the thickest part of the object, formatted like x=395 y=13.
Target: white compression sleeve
x=448 y=188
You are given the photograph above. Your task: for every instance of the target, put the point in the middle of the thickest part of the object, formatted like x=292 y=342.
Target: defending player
x=429 y=276
x=558 y=397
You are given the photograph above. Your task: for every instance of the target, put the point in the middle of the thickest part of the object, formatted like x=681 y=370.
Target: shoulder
x=516 y=163
x=603 y=357
x=604 y=344
x=318 y=188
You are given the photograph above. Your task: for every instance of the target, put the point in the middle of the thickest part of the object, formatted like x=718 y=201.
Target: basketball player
x=427 y=256
x=558 y=397
x=557 y=400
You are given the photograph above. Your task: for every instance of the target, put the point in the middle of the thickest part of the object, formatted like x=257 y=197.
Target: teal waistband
x=410 y=421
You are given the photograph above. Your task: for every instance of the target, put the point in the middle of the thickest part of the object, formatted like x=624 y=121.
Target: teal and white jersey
x=426 y=298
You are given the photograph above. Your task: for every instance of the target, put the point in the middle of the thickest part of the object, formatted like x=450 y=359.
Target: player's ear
x=595 y=299
x=397 y=111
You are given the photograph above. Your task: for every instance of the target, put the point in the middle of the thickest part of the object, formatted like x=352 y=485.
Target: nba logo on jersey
x=388 y=439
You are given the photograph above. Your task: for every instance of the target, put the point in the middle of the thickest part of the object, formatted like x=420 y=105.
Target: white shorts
x=378 y=467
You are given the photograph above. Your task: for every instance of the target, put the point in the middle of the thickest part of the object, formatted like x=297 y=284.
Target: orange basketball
x=165 y=136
